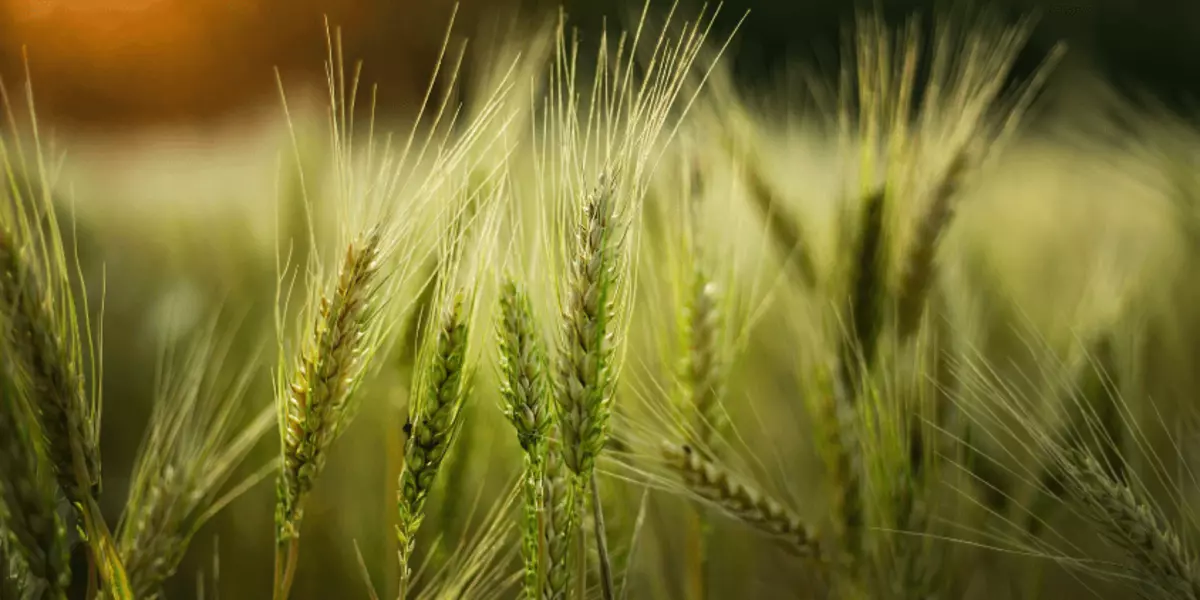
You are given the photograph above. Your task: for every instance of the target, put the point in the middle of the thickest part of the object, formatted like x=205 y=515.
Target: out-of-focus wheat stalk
x=28 y=493
x=195 y=441
x=52 y=336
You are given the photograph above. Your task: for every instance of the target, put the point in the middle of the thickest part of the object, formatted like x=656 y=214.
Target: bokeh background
x=122 y=65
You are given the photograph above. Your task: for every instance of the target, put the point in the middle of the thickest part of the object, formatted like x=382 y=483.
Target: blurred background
x=116 y=65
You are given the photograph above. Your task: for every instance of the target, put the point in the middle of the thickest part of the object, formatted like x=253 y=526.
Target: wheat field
x=596 y=321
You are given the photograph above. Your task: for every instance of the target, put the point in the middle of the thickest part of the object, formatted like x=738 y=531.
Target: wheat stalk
x=315 y=403
x=439 y=395
x=193 y=444
x=524 y=388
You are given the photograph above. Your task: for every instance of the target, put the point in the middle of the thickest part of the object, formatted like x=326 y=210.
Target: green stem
x=606 y=578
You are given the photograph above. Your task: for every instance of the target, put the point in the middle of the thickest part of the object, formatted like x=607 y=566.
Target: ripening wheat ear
x=315 y=402
x=1091 y=476
x=28 y=494
x=598 y=154
x=195 y=440
x=51 y=337
x=1164 y=566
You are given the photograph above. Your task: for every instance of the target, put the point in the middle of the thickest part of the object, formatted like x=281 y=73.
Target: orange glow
x=111 y=62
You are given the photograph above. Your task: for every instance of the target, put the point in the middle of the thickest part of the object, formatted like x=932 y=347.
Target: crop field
x=594 y=319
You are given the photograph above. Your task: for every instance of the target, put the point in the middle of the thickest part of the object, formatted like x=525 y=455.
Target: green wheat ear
x=525 y=392
x=710 y=482
x=51 y=338
x=583 y=389
x=434 y=419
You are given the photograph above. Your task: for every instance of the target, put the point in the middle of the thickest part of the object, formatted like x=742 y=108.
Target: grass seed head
x=55 y=379
x=195 y=441
x=1164 y=566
